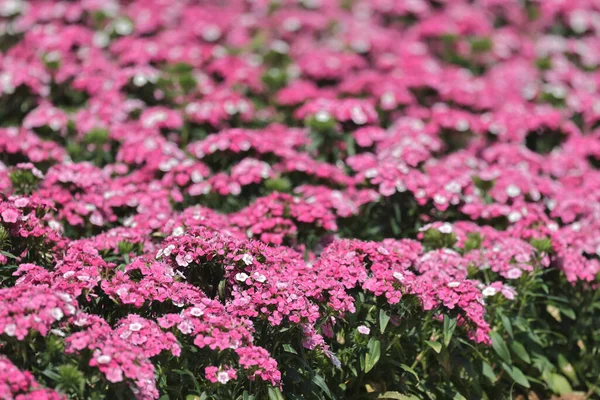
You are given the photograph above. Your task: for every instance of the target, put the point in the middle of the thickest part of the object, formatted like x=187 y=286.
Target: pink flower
x=10 y=216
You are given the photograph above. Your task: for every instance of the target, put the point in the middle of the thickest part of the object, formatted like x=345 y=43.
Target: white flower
x=223 y=377
x=10 y=329
x=371 y=173
x=68 y=274
x=168 y=250
x=363 y=330
x=196 y=312
x=241 y=277
x=445 y=228
x=178 y=231
x=11 y=7
x=211 y=33
x=399 y=276
x=322 y=116
x=54 y=225
x=388 y=100
x=514 y=216
x=462 y=125
x=123 y=27
x=57 y=313
x=103 y=359
x=259 y=277
x=513 y=191
x=135 y=327
x=489 y=291
x=453 y=284
x=439 y=199
x=280 y=46
x=101 y=39
x=453 y=187
x=358 y=116
x=247 y=259
x=139 y=80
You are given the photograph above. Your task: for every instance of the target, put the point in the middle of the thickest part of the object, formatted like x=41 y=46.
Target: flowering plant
x=299 y=199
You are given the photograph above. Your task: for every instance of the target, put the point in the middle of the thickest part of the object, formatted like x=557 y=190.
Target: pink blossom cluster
x=211 y=171
x=118 y=358
x=33 y=309
x=21 y=385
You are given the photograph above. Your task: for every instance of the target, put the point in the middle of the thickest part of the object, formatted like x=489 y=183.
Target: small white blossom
x=513 y=191
x=241 y=277
x=399 y=276
x=247 y=259
x=223 y=377
x=57 y=313
x=135 y=327
x=103 y=359
x=446 y=228
x=196 y=312
x=322 y=116
x=514 y=216
x=168 y=250
x=10 y=329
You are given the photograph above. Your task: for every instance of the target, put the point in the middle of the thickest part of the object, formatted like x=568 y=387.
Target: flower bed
x=309 y=199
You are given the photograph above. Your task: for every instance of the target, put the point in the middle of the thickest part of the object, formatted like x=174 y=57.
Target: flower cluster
x=224 y=199
x=21 y=385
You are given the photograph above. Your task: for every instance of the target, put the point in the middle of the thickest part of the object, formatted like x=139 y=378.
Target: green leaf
x=247 y=396
x=568 y=312
x=473 y=242
x=488 y=372
x=481 y=44
x=458 y=396
x=520 y=351
x=289 y=349
x=449 y=327
x=410 y=370
x=275 y=394
x=567 y=368
x=560 y=385
x=7 y=254
x=51 y=374
x=507 y=325
x=517 y=375
x=500 y=347
x=436 y=346
x=188 y=373
x=320 y=382
x=543 y=245
x=373 y=354
x=397 y=396
x=384 y=318
x=221 y=289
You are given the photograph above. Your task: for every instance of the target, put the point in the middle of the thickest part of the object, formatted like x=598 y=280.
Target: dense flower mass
x=329 y=199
